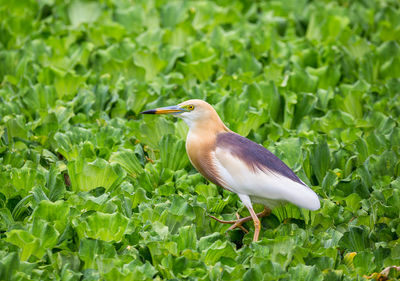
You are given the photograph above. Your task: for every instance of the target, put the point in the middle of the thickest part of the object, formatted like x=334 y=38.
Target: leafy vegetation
x=91 y=190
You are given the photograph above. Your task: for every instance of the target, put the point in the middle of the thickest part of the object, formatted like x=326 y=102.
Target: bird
x=238 y=164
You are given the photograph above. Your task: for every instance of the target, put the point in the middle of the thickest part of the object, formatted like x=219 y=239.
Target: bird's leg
x=257 y=224
x=240 y=221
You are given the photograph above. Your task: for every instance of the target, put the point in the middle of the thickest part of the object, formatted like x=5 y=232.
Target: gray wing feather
x=255 y=155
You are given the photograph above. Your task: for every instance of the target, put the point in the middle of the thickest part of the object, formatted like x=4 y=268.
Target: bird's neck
x=202 y=136
x=200 y=144
x=208 y=127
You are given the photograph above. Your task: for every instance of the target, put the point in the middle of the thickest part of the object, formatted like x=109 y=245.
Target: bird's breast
x=200 y=148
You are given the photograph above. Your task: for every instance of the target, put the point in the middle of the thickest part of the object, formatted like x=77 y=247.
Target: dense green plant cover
x=91 y=190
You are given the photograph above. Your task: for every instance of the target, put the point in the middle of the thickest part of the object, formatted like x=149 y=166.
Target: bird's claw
x=236 y=223
x=240 y=221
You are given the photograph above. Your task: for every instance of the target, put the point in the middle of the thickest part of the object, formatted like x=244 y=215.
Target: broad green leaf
x=364 y=262
x=304 y=106
x=253 y=274
x=187 y=238
x=289 y=151
x=305 y=273
x=173 y=153
x=352 y=104
x=253 y=122
x=67 y=84
x=330 y=180
x=53 y=212
x=200 y=69
x=26 y=177
x=47 y=234
x=6 y=219
x=128 y=160
x=301 y=81
x=218 y=250
x=91 y=251
x=86 y=176
x=150 y=62
x=209 y=190
x=320 y=160
x=130 y=17
x=28 y=243
x=9 y=265
x=83 y=12
x=106 y=227
x=151 y=131
x=16 y=127
x=355 y=239
x=35 y=242
x=172 y=14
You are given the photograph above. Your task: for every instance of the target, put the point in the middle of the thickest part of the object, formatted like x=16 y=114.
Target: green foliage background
x=91 y=190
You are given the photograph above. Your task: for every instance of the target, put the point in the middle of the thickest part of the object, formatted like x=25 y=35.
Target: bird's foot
x=236 y=223
x=240 y=221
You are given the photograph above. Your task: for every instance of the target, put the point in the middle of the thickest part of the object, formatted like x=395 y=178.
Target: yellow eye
x=190 y=107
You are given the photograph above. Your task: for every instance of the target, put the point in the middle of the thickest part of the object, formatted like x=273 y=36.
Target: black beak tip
x=151 y=111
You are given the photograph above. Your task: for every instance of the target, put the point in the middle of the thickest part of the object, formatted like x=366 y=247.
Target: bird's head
x=193 y=112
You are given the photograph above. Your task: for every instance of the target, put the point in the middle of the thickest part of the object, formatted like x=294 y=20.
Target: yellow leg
x=240 y=221
x=257 y=224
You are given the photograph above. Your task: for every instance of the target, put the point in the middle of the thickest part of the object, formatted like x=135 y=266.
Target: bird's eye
x=190 y=107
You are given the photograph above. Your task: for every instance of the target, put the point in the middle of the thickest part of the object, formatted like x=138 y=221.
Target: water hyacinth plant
x=92 y=190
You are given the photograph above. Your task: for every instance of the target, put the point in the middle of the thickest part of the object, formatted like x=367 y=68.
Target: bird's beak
x=165 y=110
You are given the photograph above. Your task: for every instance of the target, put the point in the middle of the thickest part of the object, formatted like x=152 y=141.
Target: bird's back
x=254 y=155
x=245 y=167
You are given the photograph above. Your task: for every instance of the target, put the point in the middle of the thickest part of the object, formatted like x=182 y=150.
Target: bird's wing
x=248 y=168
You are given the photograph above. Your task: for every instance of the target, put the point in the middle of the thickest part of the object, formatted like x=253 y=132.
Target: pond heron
x=238 y=164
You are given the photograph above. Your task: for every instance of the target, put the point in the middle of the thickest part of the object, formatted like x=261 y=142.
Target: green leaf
x=253 y=274
x=106 y=227
x=128 y=160
x=92 y=251
x=47 y=234
x=353 y=201
x=304 y=106
x=6 y=219
x=180 y=207
x=16 y=127
x=187 y=238
x=364 y=263
x=301 y=81
x=173 y=153
x=352 y=104
x=200 y=69
x=9 y=264
x=172 y=14
x=35 y=242
x=53 y=212
x=217 y=251
x=329 y=181
x=289 y=151
x=83 y=12
x=355 y=239
x=303 y=272
x=150 y=62
x=67 y=84
x=27 y=242
x=86 y=176
x=26 y=177
x=320 y=160
x=151 y=131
